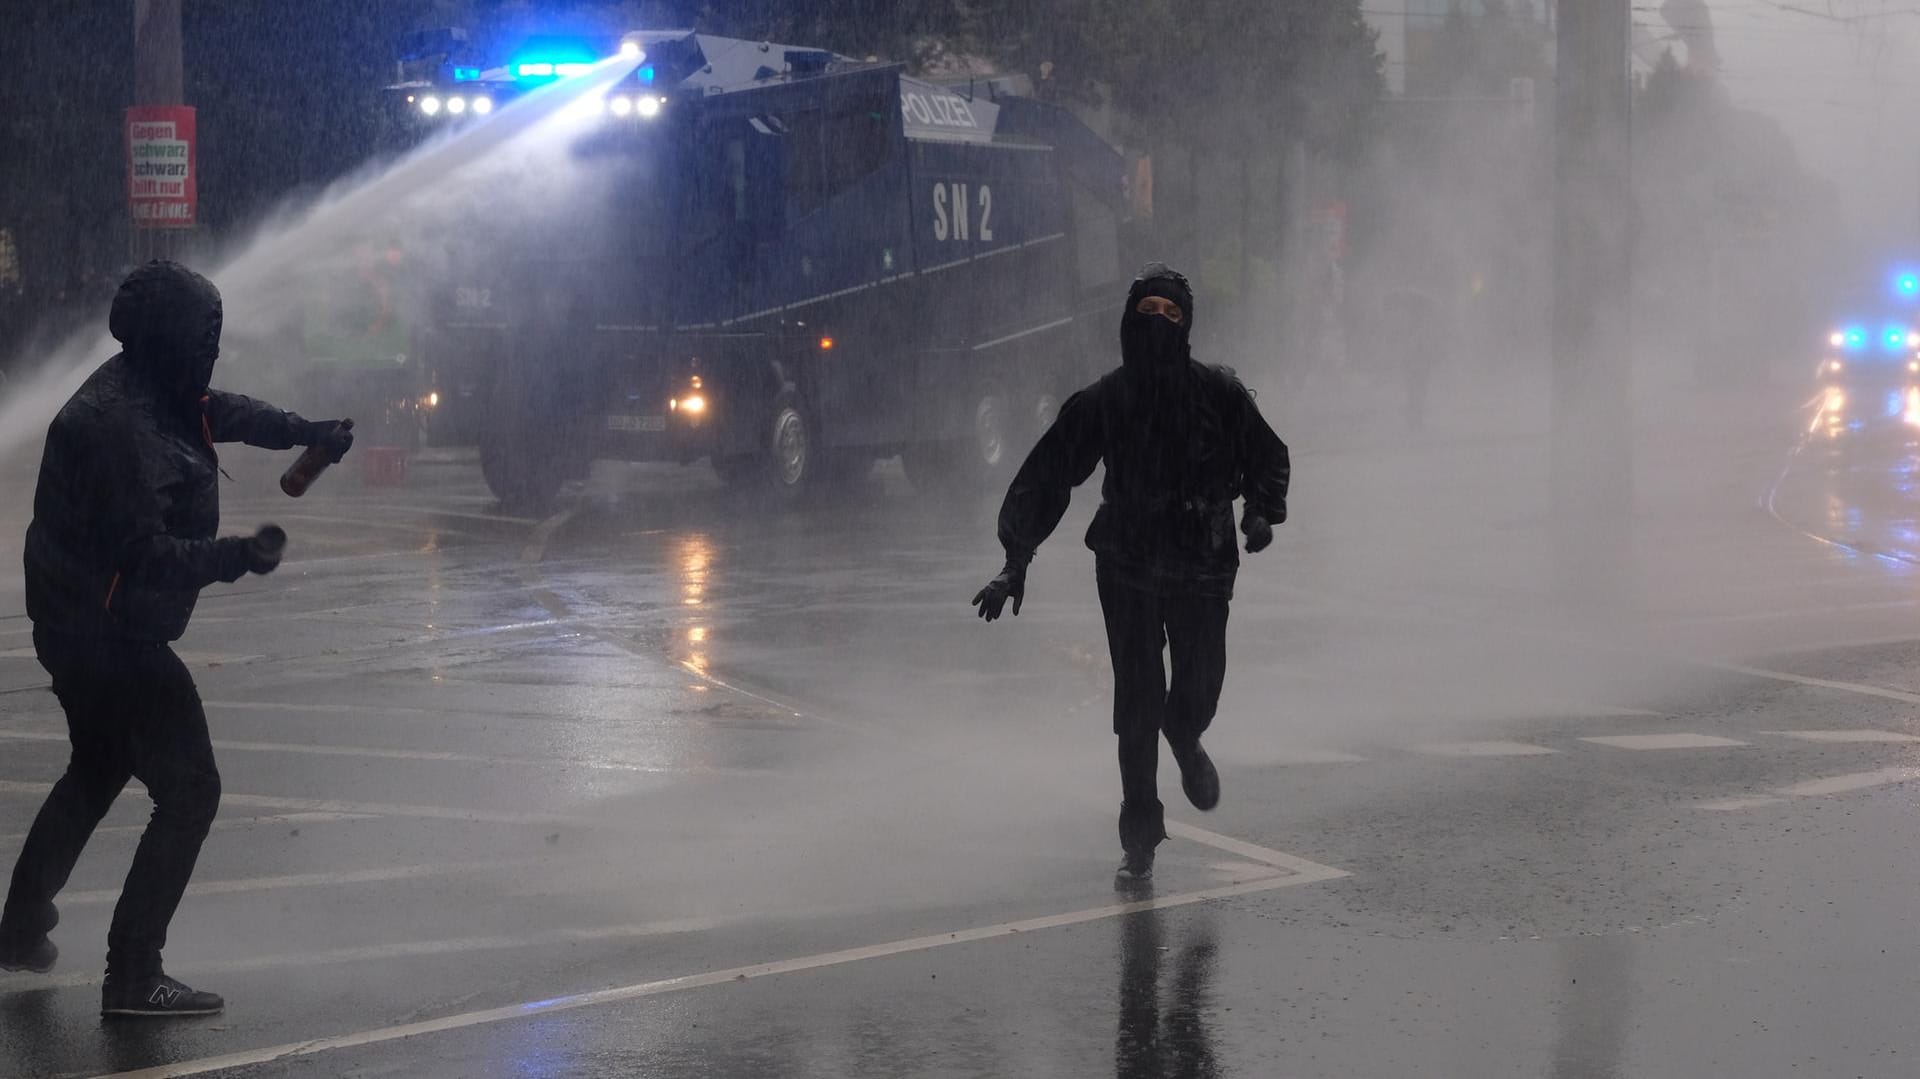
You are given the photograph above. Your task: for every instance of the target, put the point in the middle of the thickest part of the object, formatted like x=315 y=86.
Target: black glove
x=1259 y=533
x=333 y=437
x=993 y=598
x=269 y=542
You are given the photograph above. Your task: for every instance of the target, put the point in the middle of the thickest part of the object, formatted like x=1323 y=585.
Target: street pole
x=159 y=78
x=1592 y=453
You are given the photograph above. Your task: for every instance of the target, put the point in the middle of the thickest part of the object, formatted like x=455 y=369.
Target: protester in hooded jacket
x=1181 y=441
x=122 y=542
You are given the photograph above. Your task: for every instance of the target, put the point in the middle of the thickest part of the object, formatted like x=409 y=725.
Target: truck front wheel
x=524 y=477
x=796 y=461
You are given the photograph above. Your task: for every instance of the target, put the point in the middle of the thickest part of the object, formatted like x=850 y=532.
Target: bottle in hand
x=304 y=471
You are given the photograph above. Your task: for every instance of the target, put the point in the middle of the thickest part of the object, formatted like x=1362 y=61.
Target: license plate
x=637 y=424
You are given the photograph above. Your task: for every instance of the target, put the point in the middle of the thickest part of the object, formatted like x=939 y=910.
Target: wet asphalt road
x=673 y=784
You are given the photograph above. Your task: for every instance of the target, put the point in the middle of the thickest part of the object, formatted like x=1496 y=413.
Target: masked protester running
x=1181 y=441
x=122 y=542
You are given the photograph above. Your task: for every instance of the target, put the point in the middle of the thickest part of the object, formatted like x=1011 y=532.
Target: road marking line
x=1663 y=741
x=311 y=880
x=411 y=949
x=1818 y=683
x=543 y=533
x=1847 y=736
x=375 y=809
x=1483 y=749
x=223 y=824
x=310 y=749
x=1819 y=788
x=641 y=990
x=1299 y=867
x=1286 y=757
x=1797 y=613
x=1857 y=781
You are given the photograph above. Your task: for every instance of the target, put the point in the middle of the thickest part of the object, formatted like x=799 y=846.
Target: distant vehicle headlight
x=649 y=107
x=456 y=105
x=482 y=105
x=430 y=105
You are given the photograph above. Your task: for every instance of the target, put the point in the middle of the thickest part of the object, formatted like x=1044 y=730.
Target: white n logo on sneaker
x=164 y=995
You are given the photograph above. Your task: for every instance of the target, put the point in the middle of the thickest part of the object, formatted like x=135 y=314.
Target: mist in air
x=1379 y=268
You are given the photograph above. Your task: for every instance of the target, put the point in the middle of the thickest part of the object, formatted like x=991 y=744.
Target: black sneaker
x=1198 y=778
x=35 y=956
x=1136 y=869
x=156 y=996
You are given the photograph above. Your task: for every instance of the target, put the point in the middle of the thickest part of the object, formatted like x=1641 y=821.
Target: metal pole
x=159 y=78
x=1592 y=454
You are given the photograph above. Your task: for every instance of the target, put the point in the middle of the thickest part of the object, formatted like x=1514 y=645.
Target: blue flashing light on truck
x=785 y=261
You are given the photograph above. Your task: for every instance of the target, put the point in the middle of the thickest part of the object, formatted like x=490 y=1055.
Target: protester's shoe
x=1198 y=777
x=156 y=996
x=1137 y=868
x=35 y=956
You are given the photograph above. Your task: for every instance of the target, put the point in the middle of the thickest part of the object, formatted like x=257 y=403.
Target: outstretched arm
x=1062 y=460
x=1038 y=496
x=233 y=417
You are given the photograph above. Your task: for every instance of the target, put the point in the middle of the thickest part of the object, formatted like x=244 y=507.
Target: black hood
x=167 y=319
x=1151 y=344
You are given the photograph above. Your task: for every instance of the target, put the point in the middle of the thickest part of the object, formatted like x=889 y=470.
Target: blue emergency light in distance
x=1907 y=284
x=466 y=74
x=1854 y=339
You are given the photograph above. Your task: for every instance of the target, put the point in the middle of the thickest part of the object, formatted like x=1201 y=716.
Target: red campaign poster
x=162 y=167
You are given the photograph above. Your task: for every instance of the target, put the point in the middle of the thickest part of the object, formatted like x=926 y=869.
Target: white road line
x=1300 y=867
x=322 y=805
x=621 y=994
x=1847 y=736
x=413 y=949
x=223 y=824
x=1663 y=741
x=244 y=885
x=1820 y=683
x=1483 y=749
x=309 y=749
x=1286 y=757
x=543 y=533
x=1818 y=788
x=1857 y=781
x=1791 y=614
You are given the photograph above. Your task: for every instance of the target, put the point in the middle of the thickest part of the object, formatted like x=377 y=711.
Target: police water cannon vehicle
x=789 y=262
x=1867 y=381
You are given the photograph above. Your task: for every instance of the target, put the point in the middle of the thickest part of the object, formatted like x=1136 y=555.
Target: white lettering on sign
x=937 y=110
x=953 y=212
x=473 y=299
x=159 y=168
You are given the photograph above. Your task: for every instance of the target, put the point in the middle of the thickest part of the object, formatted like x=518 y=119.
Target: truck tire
x=796 y=458
x=525 y=478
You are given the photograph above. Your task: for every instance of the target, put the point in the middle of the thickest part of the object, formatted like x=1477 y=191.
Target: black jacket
x=128 y=502
x=1179 y=448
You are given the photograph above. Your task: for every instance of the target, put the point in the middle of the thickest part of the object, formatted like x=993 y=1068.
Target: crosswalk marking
x=1848 y=736
x=1484 y=749
x=1664 y=741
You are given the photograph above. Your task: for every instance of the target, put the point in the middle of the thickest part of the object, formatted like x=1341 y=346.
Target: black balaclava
x=167 y=319
x=1153 y=345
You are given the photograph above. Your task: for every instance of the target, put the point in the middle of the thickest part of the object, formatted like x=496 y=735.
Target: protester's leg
x=1135 y=641
x=96 y=771
x=173 y=755
x=1197 y=644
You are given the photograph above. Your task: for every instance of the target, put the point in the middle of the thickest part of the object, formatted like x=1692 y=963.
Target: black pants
x=1140 y=627
x=132 y=711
